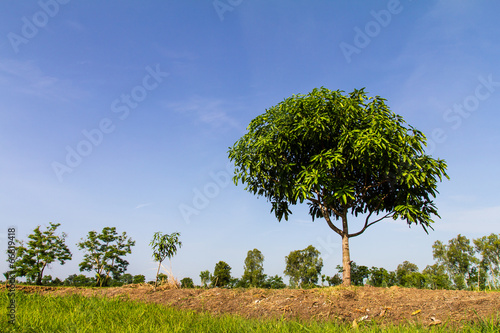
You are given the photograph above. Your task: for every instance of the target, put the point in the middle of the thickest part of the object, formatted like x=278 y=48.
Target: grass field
x=36 y=313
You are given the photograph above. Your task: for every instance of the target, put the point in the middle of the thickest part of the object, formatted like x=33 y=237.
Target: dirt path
x=397 y=305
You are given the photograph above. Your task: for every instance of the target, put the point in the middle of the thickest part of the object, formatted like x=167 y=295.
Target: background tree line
x=460 y=264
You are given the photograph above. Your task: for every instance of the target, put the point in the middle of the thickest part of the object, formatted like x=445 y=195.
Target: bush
x=139 y=279
x=187 y=282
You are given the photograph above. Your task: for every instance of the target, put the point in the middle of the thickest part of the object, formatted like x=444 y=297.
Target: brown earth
x=382 y=305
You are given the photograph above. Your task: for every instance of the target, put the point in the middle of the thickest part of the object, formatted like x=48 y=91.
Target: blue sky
x=120 y=113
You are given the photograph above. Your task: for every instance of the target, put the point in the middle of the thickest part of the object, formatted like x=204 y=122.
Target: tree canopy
x=43 y=248
x=343 y=155
x=104 y=254
x=222 y=274
x=303 y=267
x=253 y=274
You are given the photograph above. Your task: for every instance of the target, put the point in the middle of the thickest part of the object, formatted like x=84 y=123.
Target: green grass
x=40 y=314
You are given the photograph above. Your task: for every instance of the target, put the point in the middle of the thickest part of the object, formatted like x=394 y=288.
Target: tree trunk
x=157 y=272
x=346 y=261
x=40 y=275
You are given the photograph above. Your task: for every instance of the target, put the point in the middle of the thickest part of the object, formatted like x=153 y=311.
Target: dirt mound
x=30 y=289
x=396 y=305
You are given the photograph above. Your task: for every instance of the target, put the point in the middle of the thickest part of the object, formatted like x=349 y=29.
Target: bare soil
x=383 y=305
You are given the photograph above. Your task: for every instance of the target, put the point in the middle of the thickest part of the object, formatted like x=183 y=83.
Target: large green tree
x=253 y=274
x=458 y=257
x=344 y=155
x=222 y=274
x=105 y=252
x=303 y=267
x=42 y=249
x=488 y=248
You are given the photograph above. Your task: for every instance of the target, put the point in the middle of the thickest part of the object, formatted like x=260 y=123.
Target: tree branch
x=326 y=214
x=329 y=221
x=369 y=224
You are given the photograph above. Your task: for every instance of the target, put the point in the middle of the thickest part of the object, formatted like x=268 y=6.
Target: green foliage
x=126 y=278
x=334 y=280
x=303 y=267
x=78 y=281
x=358 y=273
x=161 y=278
x=205 y=277
x=235 y=283
x=488 y=247
x=104 y=254
x=253 y=275
x=436 y=277
x=139 y=279
x=164 y=246
x=458 y=259
x=48 y=281
x=342 y=155
x=379 y=277
x=405 y=274
x=274 y=282
x=187 y=282
x=42 y=249
x=222 y=274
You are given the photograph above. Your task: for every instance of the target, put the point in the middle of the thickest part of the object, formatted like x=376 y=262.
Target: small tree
x=358 y=273
x=344 y=156
x=126 y=278
x=78 y=280
x=47 y=280
x=139 y=279
x=378 y=277
x=403 y=273
x=187 y=282
x=164 y=246
x=205 y=277
x=42 y=249
x=274 y=282
x=303 y=267
x=253 y=274
x=104 y=254
x=334 y=280
x=436 y=277
x=222 y=274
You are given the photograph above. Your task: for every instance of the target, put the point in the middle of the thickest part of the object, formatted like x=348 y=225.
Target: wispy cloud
x=24 y=77
x=209 y=111
x=143 y=205
x=77 y=26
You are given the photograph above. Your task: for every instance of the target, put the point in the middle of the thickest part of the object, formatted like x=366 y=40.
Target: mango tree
x=164 y=246
x=344 y=155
